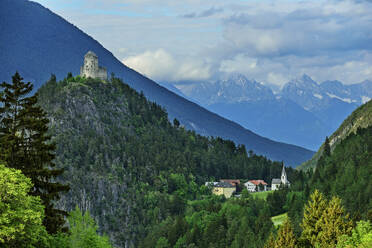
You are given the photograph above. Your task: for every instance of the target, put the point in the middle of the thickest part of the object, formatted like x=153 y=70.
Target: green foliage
x=294 y=206
x=324 y=222
x=285 y=237
x=261 y=195
x=26 y=146
x=279 y=219
x=360 y=118
x=347 y=173
x=333 y=224
x=215 y=222
x=21 y=215
x=312 y=215
x=270 y=243
x=129 y=166
x=84 y=232
x=327 y=148
x=162 y=243
x=361 y=237
x=276 y=201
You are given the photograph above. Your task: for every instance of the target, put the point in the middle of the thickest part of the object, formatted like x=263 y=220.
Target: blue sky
x=270 y=41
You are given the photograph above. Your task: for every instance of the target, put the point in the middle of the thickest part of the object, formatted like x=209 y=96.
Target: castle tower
x=91 y=68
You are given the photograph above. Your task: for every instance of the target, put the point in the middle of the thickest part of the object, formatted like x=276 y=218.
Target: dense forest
x=125 y=162
x=141 y=178
x=347 y=172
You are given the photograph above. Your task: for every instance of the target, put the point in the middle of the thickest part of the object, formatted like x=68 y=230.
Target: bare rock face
x=90 y=123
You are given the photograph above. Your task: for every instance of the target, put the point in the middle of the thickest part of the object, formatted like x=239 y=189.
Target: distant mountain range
x=38 y=42
x=303 y=112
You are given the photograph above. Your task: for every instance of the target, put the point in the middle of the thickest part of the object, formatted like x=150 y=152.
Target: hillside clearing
x=279 y=219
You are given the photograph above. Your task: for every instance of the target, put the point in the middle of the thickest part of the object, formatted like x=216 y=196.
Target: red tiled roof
x=257 y=182
x=232 y=181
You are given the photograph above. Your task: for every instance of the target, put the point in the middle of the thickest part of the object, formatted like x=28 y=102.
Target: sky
x=204 y=40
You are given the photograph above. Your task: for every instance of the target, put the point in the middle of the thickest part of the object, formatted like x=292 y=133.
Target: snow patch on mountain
x=348 y=100
x=318 y=96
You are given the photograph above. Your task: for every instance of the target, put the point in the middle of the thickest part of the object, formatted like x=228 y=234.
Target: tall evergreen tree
x=270 y=242
x=26 y=146
x=286 y=237
x=312 y=214
x=333 y=224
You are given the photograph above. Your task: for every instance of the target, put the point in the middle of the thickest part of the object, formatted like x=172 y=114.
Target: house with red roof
x=256 y=185
x=234 y=182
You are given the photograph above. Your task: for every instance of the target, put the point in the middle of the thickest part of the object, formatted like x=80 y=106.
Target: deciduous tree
x=21 y=215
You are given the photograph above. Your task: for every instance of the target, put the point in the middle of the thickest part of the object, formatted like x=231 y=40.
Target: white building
x=254 y=185
x=276 y=182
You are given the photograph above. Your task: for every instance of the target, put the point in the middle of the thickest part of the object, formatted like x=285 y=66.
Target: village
x=232 y=187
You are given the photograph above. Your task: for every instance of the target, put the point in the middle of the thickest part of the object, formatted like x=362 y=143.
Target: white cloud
x=270 y=41
x=162 y=66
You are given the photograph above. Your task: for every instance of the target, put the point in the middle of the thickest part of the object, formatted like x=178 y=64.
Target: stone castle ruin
x=91 y=67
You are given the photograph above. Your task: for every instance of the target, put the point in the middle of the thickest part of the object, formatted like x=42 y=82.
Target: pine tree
x=327 y=147
x=312 y=214
x=333 y=224
x=286 y=237
x=270 y=242
x=26 y=146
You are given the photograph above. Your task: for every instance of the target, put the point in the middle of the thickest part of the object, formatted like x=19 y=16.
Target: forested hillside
x=347 y=173
x=360 y=118
x=142 y=179
x=127 y=164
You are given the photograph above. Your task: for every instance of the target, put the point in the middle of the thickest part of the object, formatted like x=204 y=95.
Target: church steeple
x=283 y=178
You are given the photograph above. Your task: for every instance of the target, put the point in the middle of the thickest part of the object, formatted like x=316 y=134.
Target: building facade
x=276 y=182
x=91 y=68
x=256 y=185
x=223 y=188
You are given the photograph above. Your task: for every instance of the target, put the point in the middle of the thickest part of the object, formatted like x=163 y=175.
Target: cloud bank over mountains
x=270 y=41
x=162 y=66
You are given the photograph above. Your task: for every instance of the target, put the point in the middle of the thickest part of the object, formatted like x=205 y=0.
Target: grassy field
x=261 y=195
x=279 y=219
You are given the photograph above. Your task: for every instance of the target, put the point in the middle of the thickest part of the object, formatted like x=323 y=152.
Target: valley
x=151 y=133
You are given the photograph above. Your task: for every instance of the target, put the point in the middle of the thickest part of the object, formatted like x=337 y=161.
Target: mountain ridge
x=324 y=105
x=45 y=43
x=359 y=118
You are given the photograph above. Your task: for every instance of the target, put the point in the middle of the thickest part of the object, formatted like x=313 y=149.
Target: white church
x=276 y=182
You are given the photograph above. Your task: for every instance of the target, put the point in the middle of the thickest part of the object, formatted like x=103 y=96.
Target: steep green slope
x=124 y=160
x=360 y=118
x=347 y=173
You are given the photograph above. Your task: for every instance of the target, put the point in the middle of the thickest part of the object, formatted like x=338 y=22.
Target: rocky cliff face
x=87 y=122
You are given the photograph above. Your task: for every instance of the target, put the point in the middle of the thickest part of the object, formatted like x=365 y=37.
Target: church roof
x=90 y=54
